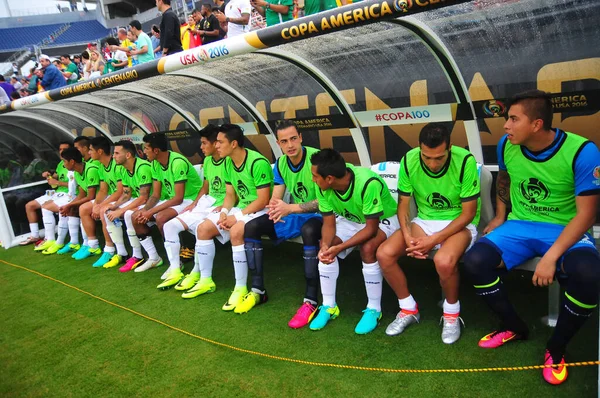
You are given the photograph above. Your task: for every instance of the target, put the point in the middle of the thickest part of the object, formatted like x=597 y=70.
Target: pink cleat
x=303 y=316
x=131 y=264
x=556 y=375
x=499 y=338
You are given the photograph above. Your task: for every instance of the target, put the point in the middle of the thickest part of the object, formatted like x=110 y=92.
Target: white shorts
x=60 y=198
x=431 y=227
x=346 y=229
x=223 y=236
x=195 y=217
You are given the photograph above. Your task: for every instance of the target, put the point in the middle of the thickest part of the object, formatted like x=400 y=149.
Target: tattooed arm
x=502 y=201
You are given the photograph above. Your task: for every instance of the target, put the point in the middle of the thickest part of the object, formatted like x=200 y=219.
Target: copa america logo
x=402 y=5
x=494 y=108
x=203 y=55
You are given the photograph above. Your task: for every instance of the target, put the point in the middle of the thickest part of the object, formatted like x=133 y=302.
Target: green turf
x=55 y=341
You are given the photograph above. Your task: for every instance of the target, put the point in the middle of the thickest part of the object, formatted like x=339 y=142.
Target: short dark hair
x=157 y=141
x=329 y=162
x=112 y=41
x=156 y=28
x=76 y=56
x=101 y=143
x=284 y=124
x=85 y=141
x=233 y=132
x=85 y=55
x=127 y=146
x=15 y=95
x=72 y=154
x=136 y=24
x=195 y=11
x=210 y=132
x=536 y=104
x=167 y=2
x=69 y=143
x=2 y=78
x=66 y=56
x=434 y=135
x=207 y=5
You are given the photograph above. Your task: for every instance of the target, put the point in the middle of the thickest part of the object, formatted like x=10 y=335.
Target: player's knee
x=311 y=232
x=445 y=264
x=368 y=251
x=203 y=232
x=237 y=233
x=480 y=259
x=172 y=228
x=251 y=230
x=583 y=266
x=32 y=206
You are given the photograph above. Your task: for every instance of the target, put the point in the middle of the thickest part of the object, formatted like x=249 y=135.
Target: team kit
x=547 y=196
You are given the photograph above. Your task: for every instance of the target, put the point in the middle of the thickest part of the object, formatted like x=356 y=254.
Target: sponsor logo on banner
x=569 y=101
x=416 y=114
x=402 y=5
x=193 y=58
x=136 y=139
x=108 y=80
x=494 y=108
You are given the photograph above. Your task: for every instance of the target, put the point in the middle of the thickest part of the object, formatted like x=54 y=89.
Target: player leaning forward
x=444 y=181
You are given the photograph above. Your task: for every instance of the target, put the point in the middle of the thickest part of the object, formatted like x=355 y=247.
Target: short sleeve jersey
x=144 y=40
x=214 y=174
x=439 y=196
x=274 y=18
x=297 y=179
x=178 y=170
x=88 y=177
x=235 y=9
x=63 y=176
x=111 y=175
x=140 y=177
x=543 y=185
x=367 y=196
x=254 y=173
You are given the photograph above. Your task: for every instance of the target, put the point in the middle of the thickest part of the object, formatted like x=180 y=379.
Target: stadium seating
x=18 y=38
x=80 y=32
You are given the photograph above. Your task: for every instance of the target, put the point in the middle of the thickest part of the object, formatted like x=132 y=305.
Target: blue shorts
x=518 y=241
x=292 y=227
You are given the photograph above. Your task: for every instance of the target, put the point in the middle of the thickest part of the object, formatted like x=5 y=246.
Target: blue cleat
x=368 y=322
x=104 y=258
x=68 y=249
x=83 y=254
x=325 y=314
x=80 y=251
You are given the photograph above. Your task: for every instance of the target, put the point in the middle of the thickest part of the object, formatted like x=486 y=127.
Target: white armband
x=239 y=216
x=224 y=211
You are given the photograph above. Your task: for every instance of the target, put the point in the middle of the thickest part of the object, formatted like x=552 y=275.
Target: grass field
x=56 y=341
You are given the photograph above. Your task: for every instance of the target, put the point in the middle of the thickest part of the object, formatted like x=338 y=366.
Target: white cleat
x=149 y=264
x=451 y=329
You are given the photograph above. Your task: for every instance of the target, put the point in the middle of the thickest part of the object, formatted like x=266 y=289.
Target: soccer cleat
x=368 y=322
x=303 y=316
x=325 y=314
x=149 y=264
x=498 y=338
x=168 y=271
x=203 y=286
x=251 y=300
x=186 y=254
x=79 y=252
x=451 y=328
x=555 y=375
x=189 y=281
x=44 y=245
x=83 y=254
x=114 y=261
x=173 y=279
x=403 y=320
x=72 y=247
x=53 y=249
x=130 y=264
x=31 y=240
x=104 y=258
x=236 y=298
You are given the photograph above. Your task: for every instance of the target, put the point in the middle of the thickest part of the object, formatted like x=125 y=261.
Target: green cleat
x=250 y=301
x=203 y=286
x=173 y=279
x=53 y=249
x=237 y=296
x=189 y=281
x=69 y=249
x=44 y=245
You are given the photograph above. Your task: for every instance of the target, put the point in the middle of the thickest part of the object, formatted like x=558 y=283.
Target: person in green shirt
x=444 y=182
x=357 y=209
x=249 y=181
x=58 y=181
x=70 y=70
x=175 y=186
x=274 y=11
x=110 y=190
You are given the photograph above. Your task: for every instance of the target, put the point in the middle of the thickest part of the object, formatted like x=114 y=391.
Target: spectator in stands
x=208 y=27
x=53 y=78
x=24 y=82
x=15 y=95
x=237 y=16
x=170 y=39
x=144 y=49
x=118 y=58
x=58 y=64
x=156 y=41
x=78 y=64
x=87 y=65
x=97 y=64
x=70 y=70
x=14 y=80
x=33 y=81
x=15 y=69
x=125 y=42
x=39 y=75
x=8 y=88
x=274 y=11
x=4 y=99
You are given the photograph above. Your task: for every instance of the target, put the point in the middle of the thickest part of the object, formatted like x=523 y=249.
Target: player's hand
x=420 y=247
x=322 y=257
x=191 y=207
x=328 y=255
x=46 y=174
x=544 y=272
x=96 y=210
x=217 y=209
x=220 y=16
x=64 y=210
x=114 y=214
x=277 y=209
x=495 y=223
x=52 y=181
x=409 y=240
x=229 y=222
x=143 y=217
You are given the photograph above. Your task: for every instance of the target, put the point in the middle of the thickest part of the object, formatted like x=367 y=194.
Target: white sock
x=93 y=243
x=205 y=253
x=83 y=235
x=451 y=309
x=109 y=249
x=240 y=265
x=73 y=223
x=171 y=231
x=63 y=228
x=408 y=304
x=373 y=284
x=116 y=235
x=35 y=229
x=329 y=274
x=133 y=239
x=148 y=244
x=49 y=224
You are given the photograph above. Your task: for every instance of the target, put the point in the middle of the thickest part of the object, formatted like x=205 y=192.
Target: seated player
x=209 y=199
x=249 y=177
x=287 y=221
x=551 y=179
x=444 y=181
x=357 y=209
x=109 y=173
x=176 y=184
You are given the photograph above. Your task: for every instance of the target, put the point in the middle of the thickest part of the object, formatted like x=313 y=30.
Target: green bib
x=299 y=182
x=88 y=177
x=63 y=176
x=254 y=173
x=543 y=191
x=214 y=173
x=141 y=176
x=178 y=170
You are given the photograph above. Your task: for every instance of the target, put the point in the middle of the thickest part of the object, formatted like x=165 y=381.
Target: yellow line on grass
x=299 y=361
